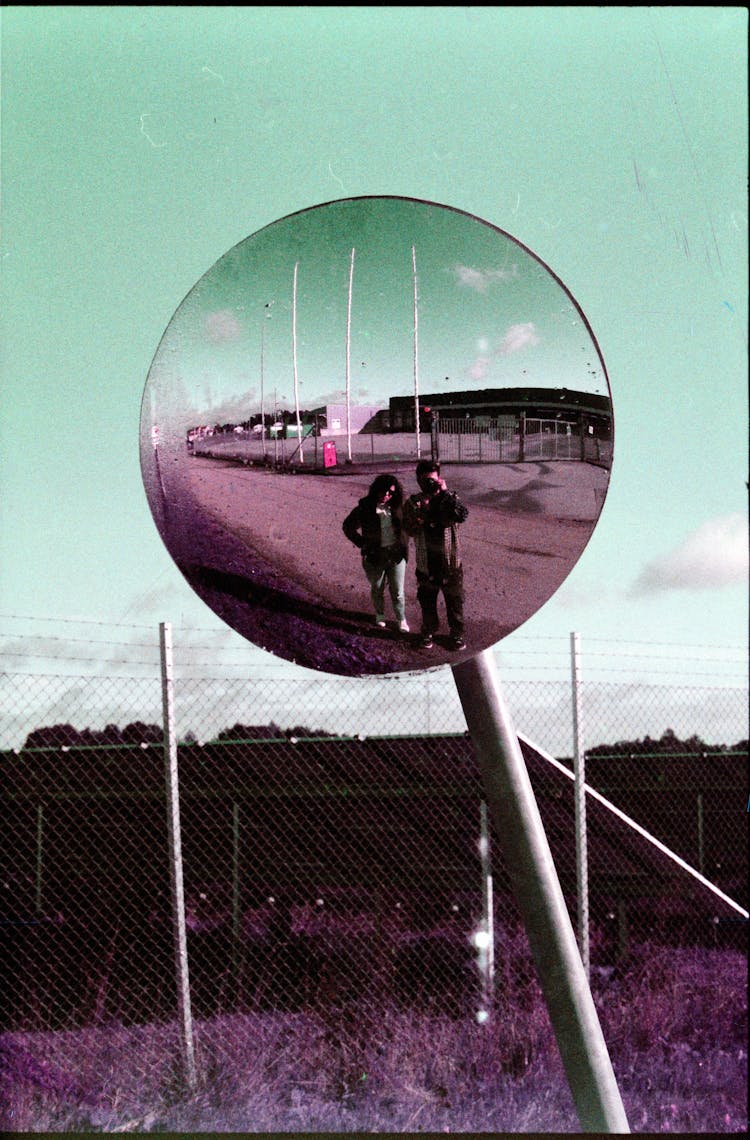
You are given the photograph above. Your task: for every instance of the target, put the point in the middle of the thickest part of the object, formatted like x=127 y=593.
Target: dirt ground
x=266 y=551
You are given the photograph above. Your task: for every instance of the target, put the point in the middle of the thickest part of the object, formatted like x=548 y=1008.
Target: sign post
x=316 y=613
x=510 y=798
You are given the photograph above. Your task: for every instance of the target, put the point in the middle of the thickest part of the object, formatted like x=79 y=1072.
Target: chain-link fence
x=338 y=871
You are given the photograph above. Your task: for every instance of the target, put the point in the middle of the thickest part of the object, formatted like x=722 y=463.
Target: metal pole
x=175 y=857
x=235 y=885
x=511 y=800
x=294 y=361
x=266 y=314
x=579 y=786
x=39 y=857
x=416 y=353
x=701 y=859
x=348 y=346
x=262 y=410
x=275 y=433
x=434 y=437
x=487 y=957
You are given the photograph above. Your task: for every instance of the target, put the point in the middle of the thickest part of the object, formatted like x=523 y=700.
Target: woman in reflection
x=376 y=527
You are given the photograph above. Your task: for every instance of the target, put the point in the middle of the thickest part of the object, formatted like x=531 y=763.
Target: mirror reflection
x=376 y=436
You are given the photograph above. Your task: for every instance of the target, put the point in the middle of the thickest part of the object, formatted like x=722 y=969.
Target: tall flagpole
x=294 y=360
x=416 y=355
x=262 y=374
x=348 y=346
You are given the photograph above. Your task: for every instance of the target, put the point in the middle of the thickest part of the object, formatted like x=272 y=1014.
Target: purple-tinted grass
x=675 y=1021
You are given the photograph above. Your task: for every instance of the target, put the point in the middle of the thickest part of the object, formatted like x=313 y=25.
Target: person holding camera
x=432 y=517
x=375 y=526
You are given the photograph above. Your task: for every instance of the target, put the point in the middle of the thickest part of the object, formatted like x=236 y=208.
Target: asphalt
x=266 y=551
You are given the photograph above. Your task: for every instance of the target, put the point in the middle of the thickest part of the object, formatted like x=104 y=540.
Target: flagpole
x=348 y=347
x=262 y=374
x=294 y=360
x=416 y=354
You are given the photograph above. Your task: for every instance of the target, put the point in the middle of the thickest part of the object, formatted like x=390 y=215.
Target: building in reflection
x=511 y=424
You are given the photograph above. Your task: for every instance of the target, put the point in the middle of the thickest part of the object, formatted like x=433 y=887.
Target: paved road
x=267 y=552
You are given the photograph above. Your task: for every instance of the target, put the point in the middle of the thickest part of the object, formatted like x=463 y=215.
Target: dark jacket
x=434 y=521
x=362 y=527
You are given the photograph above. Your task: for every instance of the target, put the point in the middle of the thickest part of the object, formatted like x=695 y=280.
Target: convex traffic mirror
x=377 y=435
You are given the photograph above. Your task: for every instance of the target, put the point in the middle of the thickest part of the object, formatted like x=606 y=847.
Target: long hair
x=382 y=483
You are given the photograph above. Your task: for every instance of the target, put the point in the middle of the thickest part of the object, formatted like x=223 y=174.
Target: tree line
x=137 y=733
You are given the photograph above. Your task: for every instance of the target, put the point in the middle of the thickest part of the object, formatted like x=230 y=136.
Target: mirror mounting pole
x=512 y=804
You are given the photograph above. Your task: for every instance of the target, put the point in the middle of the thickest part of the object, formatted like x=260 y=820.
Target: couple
x=381 y=525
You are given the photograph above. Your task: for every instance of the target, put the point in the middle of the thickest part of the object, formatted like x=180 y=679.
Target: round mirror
x=377 y=435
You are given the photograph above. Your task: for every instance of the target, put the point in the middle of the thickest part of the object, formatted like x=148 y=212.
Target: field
x=674 y=1020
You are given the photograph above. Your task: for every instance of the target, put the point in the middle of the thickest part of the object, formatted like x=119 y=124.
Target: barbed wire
x=741 y=649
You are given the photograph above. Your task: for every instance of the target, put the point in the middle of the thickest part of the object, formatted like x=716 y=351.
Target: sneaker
x=403 y=627
x=380 y=621
x=425 y=641
x=456 y=642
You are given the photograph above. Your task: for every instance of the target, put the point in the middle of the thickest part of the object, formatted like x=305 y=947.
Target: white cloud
x=713 y=556
x=222 y=326
x=478 y=370
x=481 y=279
x=518 y=337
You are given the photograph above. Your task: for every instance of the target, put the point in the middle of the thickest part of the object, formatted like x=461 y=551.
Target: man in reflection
x=432 y=517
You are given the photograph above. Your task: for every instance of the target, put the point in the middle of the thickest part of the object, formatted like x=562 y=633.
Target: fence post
x=487 y=946
x=434 y=437
x=428 y=705
x=701 y=859
x=39 y=858
x=236 y=912
x=175 y=856
x=579 y=770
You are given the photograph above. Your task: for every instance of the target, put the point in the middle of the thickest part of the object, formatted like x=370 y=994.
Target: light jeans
x=394 y=576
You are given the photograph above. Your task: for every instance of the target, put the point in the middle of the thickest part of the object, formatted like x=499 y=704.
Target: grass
x=675 y=1021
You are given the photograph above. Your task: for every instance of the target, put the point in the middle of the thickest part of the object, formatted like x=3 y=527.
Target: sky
x=275 y=319
x=140 y=145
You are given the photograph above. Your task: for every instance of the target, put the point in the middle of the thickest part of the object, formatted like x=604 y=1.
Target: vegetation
x=65 y=735
x=137 y=733
x=668 y=744
x=675 y=1023
x=675 y=1019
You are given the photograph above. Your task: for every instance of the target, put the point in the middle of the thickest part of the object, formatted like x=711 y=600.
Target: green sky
x=141 y=144
x=488 y=314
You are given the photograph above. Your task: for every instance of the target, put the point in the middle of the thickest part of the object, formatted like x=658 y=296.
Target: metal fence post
x=175 y=857
x=579 y=770
x=236 y=911
x=511 y=800
x=487 y=947
x=38 y=891
x=701 y=859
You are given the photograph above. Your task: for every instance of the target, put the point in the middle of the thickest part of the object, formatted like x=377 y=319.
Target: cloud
x=222 y=327
x=479 y=368
x=713 y=556
x=518 y=337
x=481 y=279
